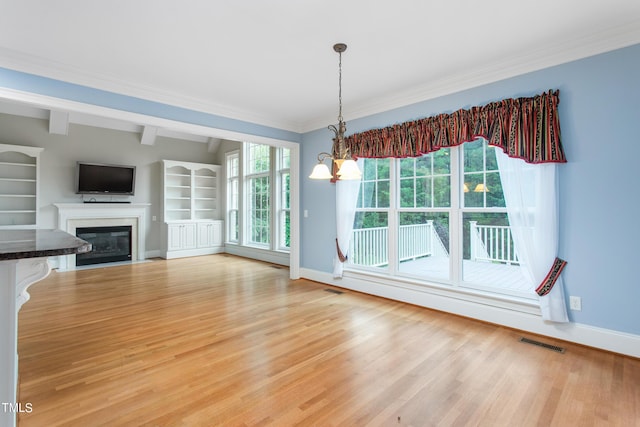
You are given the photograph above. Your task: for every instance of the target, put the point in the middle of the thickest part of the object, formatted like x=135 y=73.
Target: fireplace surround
x=72 y=216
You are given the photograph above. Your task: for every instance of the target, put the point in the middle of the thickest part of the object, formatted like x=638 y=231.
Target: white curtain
x=530 y=192
x=346 y=202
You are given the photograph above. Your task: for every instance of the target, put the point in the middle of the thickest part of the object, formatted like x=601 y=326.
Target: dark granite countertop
x=18 y=243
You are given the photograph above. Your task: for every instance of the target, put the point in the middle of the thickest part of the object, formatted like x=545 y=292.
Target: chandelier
x=346 y=167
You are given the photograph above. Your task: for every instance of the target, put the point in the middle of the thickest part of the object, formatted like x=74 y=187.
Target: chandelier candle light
x=346 y=166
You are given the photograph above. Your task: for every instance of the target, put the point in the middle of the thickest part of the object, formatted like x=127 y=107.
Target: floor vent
x=334 y=291
x=541 y=344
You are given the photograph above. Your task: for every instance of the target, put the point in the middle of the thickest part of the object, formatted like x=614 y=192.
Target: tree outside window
x=259 y=194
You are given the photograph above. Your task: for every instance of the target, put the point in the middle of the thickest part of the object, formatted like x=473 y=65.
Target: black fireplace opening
x=109 y=244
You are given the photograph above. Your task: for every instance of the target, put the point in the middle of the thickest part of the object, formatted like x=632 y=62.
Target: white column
x=15 y=277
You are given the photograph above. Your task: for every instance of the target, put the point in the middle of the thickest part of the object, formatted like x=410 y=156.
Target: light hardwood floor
x=221 y=340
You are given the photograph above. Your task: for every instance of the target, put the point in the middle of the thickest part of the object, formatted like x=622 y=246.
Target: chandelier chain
x=340 y=86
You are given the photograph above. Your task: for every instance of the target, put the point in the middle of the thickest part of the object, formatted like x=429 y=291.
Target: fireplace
x=110 y=244
x=72 y=216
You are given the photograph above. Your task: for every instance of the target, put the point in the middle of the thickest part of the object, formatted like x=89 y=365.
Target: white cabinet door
x=174 y=240
x=204 y=235
x=181 y=236
x=216 y=233
x=189 y=236
x=209 y=234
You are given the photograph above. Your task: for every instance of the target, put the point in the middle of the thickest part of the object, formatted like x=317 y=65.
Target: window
x=284 y=202
x=439 y=218
x=369 y=245
x=423 y=215
x=487 y=242
x=233 y=196
x=258 y=200
x=258 y=194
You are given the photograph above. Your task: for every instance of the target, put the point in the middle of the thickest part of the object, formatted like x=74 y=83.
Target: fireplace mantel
x=73 y=215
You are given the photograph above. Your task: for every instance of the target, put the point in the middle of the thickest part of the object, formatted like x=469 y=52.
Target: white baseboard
x=191 y=252
x=153 y=254
x=280 y=258
x=517 y=316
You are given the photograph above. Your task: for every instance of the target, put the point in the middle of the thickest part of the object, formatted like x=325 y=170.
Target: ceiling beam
x=59 y=122
x=213 y=144
x=149 y=134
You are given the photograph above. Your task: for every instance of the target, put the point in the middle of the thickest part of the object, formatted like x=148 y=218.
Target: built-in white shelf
x=19 y=174
x=190 y=209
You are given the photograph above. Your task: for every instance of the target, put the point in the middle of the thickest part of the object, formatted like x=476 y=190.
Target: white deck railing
x=415 y=241
x=492 y=243
x=489 y=243
x=369 y=245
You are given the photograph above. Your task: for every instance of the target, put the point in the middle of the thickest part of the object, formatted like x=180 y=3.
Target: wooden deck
x=495 y=275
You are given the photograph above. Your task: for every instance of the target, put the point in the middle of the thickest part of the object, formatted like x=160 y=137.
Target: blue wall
x=599 y=229
x=73 y=92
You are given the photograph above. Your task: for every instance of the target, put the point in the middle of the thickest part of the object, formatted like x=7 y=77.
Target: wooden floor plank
x=221 y=340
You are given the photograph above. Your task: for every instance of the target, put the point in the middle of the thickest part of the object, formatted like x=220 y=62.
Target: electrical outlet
x=575 y=303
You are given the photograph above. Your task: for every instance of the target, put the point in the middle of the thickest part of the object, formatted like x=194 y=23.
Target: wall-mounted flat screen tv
x=96 y=178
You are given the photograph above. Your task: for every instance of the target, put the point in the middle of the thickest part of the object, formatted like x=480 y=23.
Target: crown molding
x=30 y=64
x=558 y=53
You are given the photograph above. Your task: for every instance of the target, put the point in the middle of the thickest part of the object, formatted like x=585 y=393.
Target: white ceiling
x=272 y=62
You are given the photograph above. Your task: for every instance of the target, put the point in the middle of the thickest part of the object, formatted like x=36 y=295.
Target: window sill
x=509 y=302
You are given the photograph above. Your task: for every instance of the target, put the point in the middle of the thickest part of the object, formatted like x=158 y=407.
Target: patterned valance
x=525 y=128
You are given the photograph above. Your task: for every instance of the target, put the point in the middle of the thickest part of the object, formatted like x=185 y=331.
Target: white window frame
x=275 y=174
x=233 y=180
x=249 y=177
x=283 y=210
x=471 y=210
x=456 y=213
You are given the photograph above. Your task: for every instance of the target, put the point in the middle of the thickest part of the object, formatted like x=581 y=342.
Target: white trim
x=513 y=315
x=192 y=252
x=294 y=212
x=280 y=258
x=72 y=215
x=230 y=156
x=153 y=254
x=48 y=102
x=59 y=122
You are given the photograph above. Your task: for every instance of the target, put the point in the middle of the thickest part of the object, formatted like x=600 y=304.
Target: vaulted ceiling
x=272 y=63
